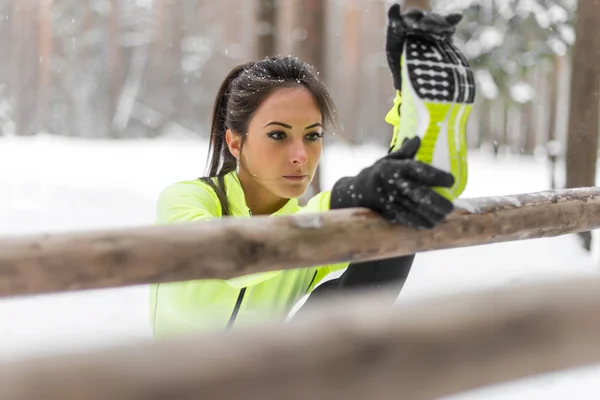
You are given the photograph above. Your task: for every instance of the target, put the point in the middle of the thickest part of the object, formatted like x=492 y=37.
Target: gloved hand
x=399 y=188
x=416 y=22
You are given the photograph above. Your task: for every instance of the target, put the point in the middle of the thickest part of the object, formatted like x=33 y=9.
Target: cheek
x=262 y=153
x=314 y=152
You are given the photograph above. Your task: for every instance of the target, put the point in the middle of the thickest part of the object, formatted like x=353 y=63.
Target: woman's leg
x=391 y=273
x=374 y=274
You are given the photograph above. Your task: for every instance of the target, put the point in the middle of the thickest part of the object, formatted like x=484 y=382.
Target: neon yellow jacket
x=210 y=303
x=393 y=118
x=214 y=304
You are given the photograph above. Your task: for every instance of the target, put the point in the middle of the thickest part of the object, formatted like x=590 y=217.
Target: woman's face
x=283 y=144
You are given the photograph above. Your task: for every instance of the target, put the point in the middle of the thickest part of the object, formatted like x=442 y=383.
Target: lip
x=295 y=178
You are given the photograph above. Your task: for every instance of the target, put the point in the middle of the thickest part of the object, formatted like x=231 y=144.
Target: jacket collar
x=237 y=199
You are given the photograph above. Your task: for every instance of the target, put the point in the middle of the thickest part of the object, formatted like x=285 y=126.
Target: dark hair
x=242 y=92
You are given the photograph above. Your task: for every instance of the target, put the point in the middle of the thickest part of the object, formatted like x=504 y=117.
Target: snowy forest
x=147 y=68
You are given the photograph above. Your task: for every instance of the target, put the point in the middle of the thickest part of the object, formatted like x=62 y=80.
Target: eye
x=313 y=137
x=277 y=135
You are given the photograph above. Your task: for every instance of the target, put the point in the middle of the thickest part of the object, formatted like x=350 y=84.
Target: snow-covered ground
x=50 y=184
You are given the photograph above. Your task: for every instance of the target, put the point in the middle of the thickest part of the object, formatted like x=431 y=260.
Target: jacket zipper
x=311 y=281
x=238 y=302
x=236 y=309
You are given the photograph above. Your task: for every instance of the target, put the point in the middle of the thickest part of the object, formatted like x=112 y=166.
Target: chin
x=293 y=191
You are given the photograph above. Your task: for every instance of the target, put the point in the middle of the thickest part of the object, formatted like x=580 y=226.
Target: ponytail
x=220 y=161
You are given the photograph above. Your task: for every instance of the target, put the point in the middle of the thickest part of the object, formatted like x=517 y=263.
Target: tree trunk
x=552 y=82
x=16 y=51
x=308 y=44
x=420 y=4
x=115 y=70
x=498 y=122
x=26 y=64
x=553 y=147
x=44 y=73
x=485 y=123
x=582 y=140
x=266 y=28
x=507 y=126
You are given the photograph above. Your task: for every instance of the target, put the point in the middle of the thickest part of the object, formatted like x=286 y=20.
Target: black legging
x=391 y=272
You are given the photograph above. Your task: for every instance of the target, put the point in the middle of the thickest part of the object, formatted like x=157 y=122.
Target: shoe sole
x=438 y=92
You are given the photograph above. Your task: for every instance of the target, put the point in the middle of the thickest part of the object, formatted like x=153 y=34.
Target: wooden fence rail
x=234 y=247
x=358 y=348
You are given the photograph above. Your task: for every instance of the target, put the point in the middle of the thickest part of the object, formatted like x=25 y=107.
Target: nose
x=298 y=155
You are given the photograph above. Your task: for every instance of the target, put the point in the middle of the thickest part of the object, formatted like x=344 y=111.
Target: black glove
x=399 y=188
x=415 y=22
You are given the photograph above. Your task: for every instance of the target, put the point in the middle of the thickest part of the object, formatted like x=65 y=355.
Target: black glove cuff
x=341 y=194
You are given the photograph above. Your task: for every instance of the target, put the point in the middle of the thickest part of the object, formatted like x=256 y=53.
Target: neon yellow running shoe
x=438 y=92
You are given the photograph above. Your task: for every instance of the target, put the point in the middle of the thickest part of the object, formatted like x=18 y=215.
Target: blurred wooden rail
x=360 y=348
x=357 y=348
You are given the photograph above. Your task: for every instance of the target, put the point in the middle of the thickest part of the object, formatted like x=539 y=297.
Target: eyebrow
x=290 y=127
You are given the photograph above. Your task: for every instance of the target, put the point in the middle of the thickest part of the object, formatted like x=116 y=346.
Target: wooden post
x=351 y=348
x=233 y=247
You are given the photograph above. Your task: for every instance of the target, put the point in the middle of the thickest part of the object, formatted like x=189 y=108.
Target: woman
x=266 y=139
x=267 y=132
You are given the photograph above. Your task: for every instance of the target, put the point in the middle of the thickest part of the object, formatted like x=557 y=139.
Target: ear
x=234 y=142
